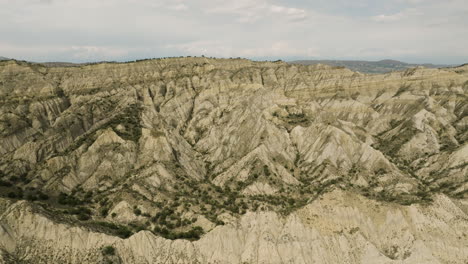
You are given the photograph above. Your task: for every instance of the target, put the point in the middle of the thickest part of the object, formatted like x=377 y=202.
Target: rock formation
x=197 y=160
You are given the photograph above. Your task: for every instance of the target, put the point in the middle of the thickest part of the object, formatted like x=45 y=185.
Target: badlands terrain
x=198 y=160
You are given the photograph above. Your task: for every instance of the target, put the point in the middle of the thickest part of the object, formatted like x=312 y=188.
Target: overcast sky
x=94 y=30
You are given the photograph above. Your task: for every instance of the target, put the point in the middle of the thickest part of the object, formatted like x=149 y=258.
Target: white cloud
x=179 y=7
x=95 y=52
x=73 y=53
x=225 y=50
x=387 y=18
x=253 y=10
x=79 y=30
x=278 y=49
x=290 y=12
x=404 y=14
x=211 y=48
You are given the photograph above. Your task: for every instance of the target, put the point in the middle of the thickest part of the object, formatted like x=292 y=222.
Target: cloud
x=82 y=30
x=405 y=14
x=95 y=52
x=179 y=7
x=387 y=18
x=279 y=49
x=290 y=12
x=213 y=48
x=250 y=11
x=73 y=53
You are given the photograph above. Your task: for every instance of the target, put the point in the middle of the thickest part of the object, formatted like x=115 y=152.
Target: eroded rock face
x=340 y=227
x=167 y=145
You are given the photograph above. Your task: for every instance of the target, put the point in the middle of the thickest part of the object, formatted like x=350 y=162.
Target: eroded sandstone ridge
x=197 y=160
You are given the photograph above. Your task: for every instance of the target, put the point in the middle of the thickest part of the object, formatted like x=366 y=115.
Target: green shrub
x=108 y=251
x=107 y=225
x=31 y=197
x=14 y=179
x=139 y=228
x=5 y=183
x=43 y=196
x=66 y=199
x=80 y=210
x=83 y=217
x=104 y=211
x=194 y=234
x=137 y=211
x=119 y=230
x=124 y=232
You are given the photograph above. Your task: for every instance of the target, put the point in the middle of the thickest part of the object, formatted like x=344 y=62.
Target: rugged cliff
x=196 y=160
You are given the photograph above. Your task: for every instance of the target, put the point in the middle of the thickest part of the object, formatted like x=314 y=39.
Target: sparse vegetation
x=129 y=118
x=108 y=250
x=193 y=234
x=116 y=229
x=66 y=199
x=137 y=211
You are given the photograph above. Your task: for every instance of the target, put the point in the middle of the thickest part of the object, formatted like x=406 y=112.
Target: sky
x=417 y=31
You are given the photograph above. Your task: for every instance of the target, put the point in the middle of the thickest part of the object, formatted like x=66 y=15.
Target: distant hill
x=372 y=67
x=59 y=64
x=54 y=63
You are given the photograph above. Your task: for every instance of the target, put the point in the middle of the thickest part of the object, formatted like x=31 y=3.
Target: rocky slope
x=196 y=160
x=340 y=227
